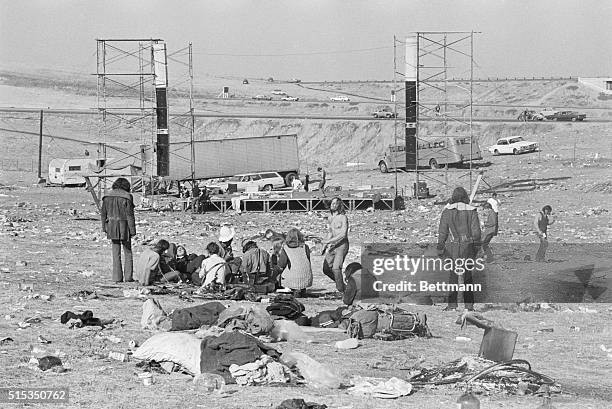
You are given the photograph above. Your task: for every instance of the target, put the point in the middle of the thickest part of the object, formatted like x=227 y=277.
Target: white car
x=340 y=98
x=278 y=92
x=288 y=98
x=265 y=181
x=514 y=145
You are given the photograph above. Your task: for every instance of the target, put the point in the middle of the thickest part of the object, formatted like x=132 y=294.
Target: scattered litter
x=209 y=382
x=390 y=389
x=350 y=343
x=541 y=330
x=43 y=340
x=574 y=328
x=463 y=339
x=21 y=263
x=146 y=378
x=118 y=356
x=299 y=404
x=49 y=362
x=5 y=340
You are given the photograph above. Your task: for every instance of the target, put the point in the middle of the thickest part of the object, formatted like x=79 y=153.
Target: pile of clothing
x=252 y=319
x=263 y=371
x=218 y=354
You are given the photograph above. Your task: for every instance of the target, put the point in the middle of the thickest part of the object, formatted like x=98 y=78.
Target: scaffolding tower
x=133 y=93
x=433 y=60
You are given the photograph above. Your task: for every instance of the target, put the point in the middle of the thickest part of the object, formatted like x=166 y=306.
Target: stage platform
x=302 y=202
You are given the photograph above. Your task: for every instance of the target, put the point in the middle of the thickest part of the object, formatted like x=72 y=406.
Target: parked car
x=245 y=81
x=548 y=112
x=278 y=92
x=263 y=97
x=514 y=145
x=529 y=115
x=384 y=113
x=295 y=80
x=340 y=98
x=288 y=98
x=566 y=116
x=265 y=181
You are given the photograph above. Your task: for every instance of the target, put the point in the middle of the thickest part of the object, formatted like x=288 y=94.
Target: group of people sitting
x=287 y=266
x=195 y=198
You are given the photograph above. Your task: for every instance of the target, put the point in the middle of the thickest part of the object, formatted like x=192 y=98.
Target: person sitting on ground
x=226 y=236
x=177 y=265
x=275 y=270
x=255 y=266
x=147 y=269
x=212 y=270
x=294 y=260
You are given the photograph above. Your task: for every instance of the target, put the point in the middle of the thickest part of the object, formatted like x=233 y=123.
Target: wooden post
x=40 y=142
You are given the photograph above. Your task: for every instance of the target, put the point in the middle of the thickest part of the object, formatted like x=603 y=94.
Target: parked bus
x=434 y=152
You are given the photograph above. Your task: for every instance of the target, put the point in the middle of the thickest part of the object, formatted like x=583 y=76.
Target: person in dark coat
x=117 y=214
x=459 y=238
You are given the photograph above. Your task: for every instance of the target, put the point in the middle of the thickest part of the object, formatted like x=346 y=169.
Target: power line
x=358 y=50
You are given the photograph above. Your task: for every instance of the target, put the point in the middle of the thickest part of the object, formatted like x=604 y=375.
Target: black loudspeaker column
x=411 y=102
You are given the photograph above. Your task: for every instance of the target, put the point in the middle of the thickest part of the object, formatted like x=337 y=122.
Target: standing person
x=490 y=230
x=460 y=225
x=337 y=243
x=149 y=263
x=323 y=178
x=541 y=223
x=294 y=261
x=494 y=202
x=117 y=214
x=195 y=197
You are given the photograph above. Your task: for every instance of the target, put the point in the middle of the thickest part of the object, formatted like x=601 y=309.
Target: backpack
x=394 y=324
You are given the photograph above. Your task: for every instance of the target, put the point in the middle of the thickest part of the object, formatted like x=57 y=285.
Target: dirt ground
x=56 y=232
x=51 y=239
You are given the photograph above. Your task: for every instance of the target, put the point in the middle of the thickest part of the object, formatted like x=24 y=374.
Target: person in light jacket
x=148 y=266
x=459 y=238
x=118 y=222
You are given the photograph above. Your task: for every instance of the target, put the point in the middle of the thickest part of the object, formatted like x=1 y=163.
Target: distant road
x=279 y=116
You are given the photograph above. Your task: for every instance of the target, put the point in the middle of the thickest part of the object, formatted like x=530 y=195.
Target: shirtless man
x=337 y=244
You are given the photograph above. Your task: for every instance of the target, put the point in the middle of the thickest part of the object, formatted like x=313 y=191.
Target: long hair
x=121 y=184
x=460 y=196
x=161 y=246
x=341 y=209
x=294 y=238
x=547 y=207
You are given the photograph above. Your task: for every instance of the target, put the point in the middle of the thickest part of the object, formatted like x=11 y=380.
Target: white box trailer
x=218 y=158
x=68 y=172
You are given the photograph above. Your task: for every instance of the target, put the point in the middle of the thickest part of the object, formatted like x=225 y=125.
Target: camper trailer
x=69 y=172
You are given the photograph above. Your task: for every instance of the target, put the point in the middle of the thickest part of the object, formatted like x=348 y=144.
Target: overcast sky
x=314 y=39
